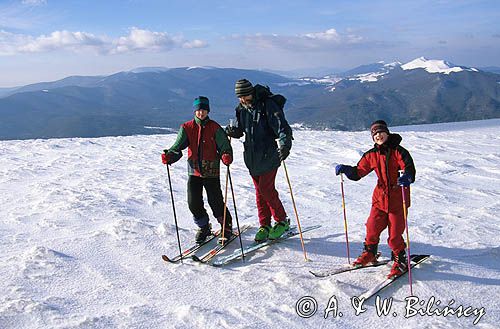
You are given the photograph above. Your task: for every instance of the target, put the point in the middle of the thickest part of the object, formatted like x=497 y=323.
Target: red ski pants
x=378 y=221
x=267 y=198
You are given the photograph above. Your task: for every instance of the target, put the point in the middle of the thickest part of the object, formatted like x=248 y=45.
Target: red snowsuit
x=387 y=200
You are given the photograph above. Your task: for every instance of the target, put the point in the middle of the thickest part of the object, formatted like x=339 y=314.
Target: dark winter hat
x=378 y=126
x=243 y=87
x=201 y=103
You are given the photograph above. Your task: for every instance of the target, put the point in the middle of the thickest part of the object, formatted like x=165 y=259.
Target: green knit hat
x=201 y=103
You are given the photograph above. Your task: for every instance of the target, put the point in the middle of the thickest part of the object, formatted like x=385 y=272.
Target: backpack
x=263 y=92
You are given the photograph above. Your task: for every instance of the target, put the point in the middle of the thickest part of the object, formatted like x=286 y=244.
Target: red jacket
x=206 y=142
x=386 y=160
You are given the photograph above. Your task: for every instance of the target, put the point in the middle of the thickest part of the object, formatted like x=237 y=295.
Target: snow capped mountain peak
x=393 y=64
x=431 y=65
x=201 y=67
x=373 y=72
x=149 y=69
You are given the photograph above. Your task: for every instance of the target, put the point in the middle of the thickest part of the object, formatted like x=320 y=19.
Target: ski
x=347 y=268
x=205 y=258
x=221 y=261
x=190 y=250
x=414 y=260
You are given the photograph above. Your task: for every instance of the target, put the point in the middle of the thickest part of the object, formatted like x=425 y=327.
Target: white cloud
x=328 y=35
x=195 y=44
x=10 y=42
x=138 y=40
x=34 y=2
x=144 y=40
x=74 y=41
x=324 y=40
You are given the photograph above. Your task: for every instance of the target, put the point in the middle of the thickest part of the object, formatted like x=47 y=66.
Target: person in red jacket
x=207 y=145
x=387 y=157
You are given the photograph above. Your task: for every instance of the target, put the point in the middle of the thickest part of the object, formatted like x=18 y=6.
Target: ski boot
x=262 y=233
x=279 y=229
x=368 y=256
x=399 y=266
x=202 y=233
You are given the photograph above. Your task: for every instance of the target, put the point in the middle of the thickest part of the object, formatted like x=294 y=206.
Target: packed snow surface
x=84 y=222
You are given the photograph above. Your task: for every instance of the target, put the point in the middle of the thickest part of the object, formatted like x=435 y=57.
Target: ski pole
x=225 y=208
x=175 y=215
x=401 y=172
x=345 y=217
x=231 y=124
x=236 y=214
x=296 y=213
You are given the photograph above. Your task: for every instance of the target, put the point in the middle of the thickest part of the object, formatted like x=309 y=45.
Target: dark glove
x=343 y=169
x=230 y=131
x=405 y=180
x=227 y=159
x=283 y=153
x=233 y=132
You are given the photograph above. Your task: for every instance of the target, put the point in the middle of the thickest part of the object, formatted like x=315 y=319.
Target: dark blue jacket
x=262 y=125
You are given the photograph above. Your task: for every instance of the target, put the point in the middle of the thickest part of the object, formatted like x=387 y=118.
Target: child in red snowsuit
x=387 y=157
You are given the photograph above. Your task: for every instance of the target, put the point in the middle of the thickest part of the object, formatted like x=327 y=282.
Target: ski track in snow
x=84 y=222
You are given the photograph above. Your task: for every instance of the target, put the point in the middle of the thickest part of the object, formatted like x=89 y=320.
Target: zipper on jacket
x=200 y=149
x=387 y=157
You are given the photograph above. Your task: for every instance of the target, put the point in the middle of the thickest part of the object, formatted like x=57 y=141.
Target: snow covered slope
x=434 y=66
x=84 y=221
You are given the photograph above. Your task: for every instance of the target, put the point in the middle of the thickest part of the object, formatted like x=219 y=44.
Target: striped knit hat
x=201 y=103
x=243 y=87
x=378 y=126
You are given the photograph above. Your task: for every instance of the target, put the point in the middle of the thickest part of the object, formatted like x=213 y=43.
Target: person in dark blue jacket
x=262 y=121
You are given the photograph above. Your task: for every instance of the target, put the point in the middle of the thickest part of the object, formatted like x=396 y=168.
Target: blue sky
x=43 y=40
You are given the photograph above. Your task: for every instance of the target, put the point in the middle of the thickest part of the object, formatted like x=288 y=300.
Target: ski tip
x=172 y=261
x=418 y=258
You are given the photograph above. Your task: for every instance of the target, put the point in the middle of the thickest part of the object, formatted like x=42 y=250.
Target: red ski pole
x=345 y=217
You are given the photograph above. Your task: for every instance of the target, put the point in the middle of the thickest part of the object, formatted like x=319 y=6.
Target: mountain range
x=136 y=101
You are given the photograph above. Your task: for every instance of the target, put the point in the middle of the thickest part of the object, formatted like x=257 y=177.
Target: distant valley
x=134 y=102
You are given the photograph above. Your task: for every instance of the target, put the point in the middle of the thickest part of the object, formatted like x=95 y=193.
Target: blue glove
x=405 y=180
x=343 y=169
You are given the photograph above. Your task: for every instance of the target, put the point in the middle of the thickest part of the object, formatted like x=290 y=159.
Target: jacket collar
x=392 y=142
x=201 y=122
